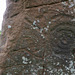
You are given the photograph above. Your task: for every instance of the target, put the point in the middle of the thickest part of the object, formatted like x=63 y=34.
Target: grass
x=0 y=32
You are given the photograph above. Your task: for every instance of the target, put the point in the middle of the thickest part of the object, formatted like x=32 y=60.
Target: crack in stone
x=35 y=6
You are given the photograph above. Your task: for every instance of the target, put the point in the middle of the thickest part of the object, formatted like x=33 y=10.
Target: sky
x=2 y=10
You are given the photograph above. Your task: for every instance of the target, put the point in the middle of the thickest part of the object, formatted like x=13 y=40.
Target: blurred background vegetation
x=0 y=32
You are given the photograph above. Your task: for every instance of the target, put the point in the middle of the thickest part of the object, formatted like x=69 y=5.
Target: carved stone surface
x=38 y=38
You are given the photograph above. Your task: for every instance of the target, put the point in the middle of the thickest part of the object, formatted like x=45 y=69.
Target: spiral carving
x=63 y=38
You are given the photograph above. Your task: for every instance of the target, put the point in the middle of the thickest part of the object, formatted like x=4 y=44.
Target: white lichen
x=71 y=5
x=41 y=30
x=71 y=64
x=9 y=26
x=57 y=9
x=8 y=73
x=30 y=62
x=46 y=29
x=49 y=22
x=47 y=26
x=34 y=23
x=34 y=73
x=28 y=49
x=40 y=67
x=25 y=60
x=38 y=21
x=42 y=36
x=65 y=3
x=73 y=19
x=58 y=63
x=35 y=27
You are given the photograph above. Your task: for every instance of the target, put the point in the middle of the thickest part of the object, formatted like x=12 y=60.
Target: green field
x=0 y=32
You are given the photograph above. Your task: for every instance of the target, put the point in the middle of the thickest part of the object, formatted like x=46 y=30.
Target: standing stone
x=38 y=38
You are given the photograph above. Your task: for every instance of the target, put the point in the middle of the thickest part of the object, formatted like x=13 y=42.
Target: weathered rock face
x=38 y=38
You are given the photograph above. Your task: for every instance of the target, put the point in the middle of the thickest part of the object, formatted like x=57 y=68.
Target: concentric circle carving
x=63 y=38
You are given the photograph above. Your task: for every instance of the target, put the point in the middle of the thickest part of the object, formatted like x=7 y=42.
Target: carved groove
x=14 y=15
x=63 y=38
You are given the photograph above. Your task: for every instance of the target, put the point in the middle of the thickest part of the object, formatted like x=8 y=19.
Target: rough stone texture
x=38 y=38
